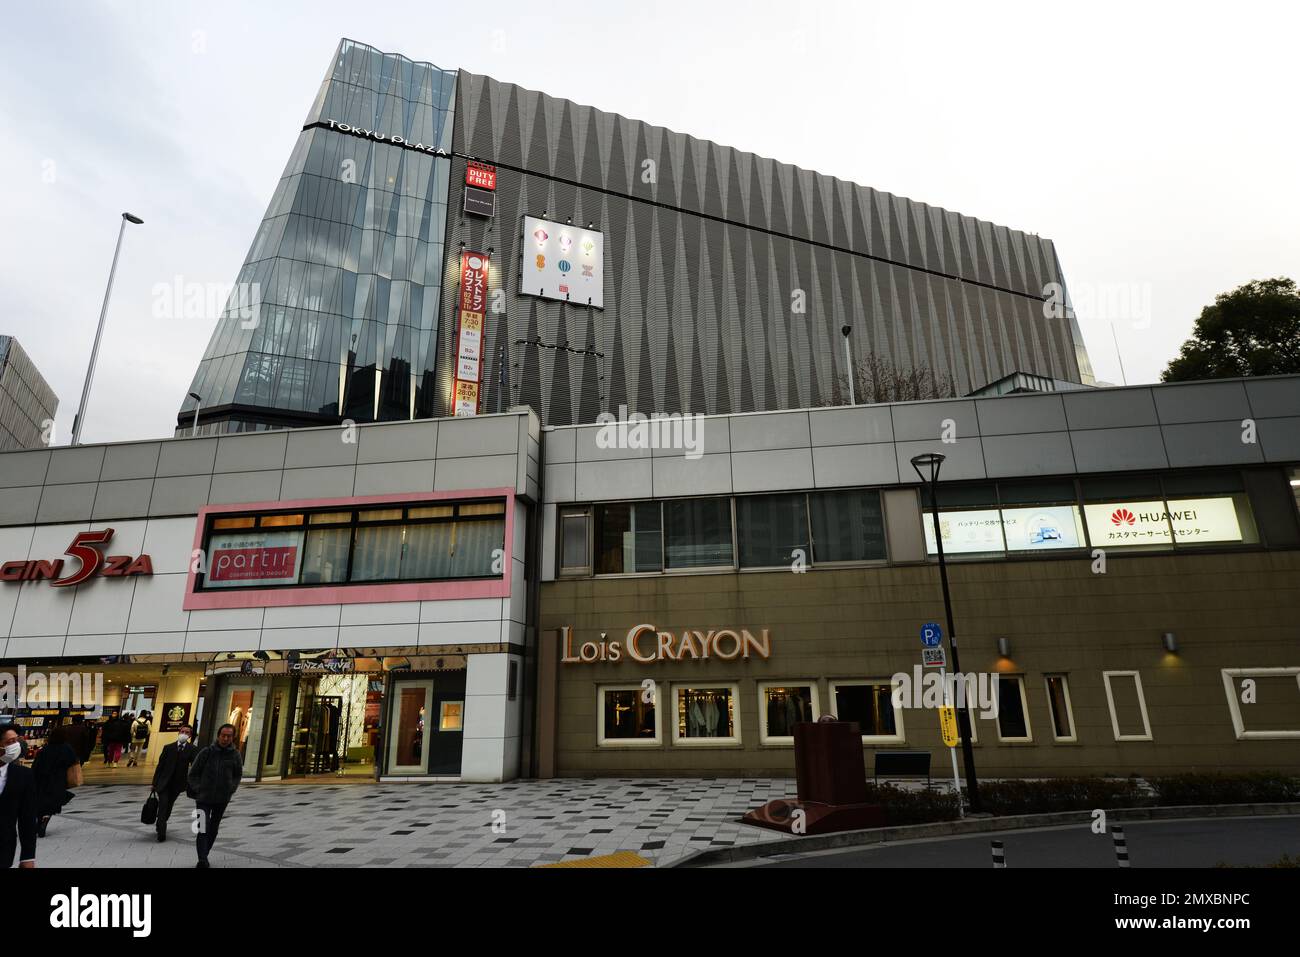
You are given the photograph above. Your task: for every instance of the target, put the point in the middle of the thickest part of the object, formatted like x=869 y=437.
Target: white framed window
x=574 y=534
x=782 y=705
x=706 y=714
x=1264 y=702
x=1128 y=706
x=1059 y=707
x=869 y=702
x=628 y=716
x=1013 y=710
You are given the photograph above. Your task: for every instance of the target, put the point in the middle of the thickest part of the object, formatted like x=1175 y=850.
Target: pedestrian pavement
x=518 y=824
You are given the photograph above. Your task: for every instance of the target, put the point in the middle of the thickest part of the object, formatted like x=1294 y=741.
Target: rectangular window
x=871 y=705
x=1013 y=715
x=782 y=705
x=1058 y=705
x=697 y=533
x=449 y=541
x=847 y=526
x=628 y=538
x=1042 y=528
x=706 y=714
x=1128 y=706
x=1264 y=702
x=574 y=555
x=770 y=529
x=967 y=532
x=451 y=716
x=627 y=716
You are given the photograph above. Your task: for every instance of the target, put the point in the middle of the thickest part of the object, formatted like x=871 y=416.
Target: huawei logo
x=1122 y=516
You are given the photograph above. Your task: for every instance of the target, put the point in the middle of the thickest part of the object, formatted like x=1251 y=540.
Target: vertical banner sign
x=470 y=328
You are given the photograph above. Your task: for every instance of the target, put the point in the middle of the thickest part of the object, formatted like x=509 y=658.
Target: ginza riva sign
x=92 y=562
x=645 y=644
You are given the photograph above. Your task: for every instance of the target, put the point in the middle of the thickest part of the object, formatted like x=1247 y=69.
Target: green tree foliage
x=1253 y=330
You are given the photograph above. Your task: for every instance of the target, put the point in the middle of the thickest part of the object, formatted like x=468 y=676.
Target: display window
x=782 y=705
x=706 y=714
x=628 y=716
x=871 y=704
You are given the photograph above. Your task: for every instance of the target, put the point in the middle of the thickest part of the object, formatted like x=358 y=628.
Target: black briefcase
x=149 y=813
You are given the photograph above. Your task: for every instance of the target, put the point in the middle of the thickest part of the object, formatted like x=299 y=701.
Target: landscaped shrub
x=1262 y=787
x=912 y=807
x=1061 y=794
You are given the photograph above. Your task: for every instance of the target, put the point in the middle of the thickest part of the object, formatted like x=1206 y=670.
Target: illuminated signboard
x=1030 y=528
x=563 y=262
x=471 y=328
x=1125 y=524
x=481 y=175
x=254 y=557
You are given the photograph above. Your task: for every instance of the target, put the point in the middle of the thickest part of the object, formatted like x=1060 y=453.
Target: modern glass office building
x=27 y=403
x=623 y=264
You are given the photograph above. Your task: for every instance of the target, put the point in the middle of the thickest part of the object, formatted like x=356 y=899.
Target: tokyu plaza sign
x=645 y=644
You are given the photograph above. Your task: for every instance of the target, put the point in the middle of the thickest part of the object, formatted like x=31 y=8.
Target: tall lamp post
x=198 y=403
x=926 y=466
x=99 y=332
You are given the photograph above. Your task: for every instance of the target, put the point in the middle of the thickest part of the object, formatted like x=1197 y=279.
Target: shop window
x=575 y=555
x=847 y=526
x=1013 y=711
x=1128 y=707
x=871 y=705
x=422 y=543
x=1264 y=702
x=1219 y=519
x=1294 y=478
x=697 y=533
x=627 y=716
x=451 y=716
x=970 y=525
x=628 y=538
x=706 y=714
x=770 y=529
x=1060 y=708
x=782 y=705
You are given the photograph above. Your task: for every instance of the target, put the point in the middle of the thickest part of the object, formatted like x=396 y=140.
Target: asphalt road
x=1202 y=842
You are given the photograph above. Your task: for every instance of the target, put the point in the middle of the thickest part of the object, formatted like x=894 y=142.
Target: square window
x=706 y=714
x=870 y=703
x=782 y=705
x=627 y=716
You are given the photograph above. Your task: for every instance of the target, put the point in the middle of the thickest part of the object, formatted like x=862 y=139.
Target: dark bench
x=895 y=764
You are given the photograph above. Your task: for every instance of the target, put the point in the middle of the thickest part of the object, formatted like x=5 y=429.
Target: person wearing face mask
x=213 y=780
x=17 y=802
x=171 y=776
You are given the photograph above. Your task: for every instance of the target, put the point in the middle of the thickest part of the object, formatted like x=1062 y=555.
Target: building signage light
x=381 y=137
x=481 y=175
x=645 y=644
x=471 y=329
x=92 y=561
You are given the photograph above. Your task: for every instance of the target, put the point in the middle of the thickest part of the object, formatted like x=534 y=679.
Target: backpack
x=141 y=731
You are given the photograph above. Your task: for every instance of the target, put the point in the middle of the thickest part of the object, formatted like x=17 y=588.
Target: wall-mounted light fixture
x=1170 y=641
x=1004 y=647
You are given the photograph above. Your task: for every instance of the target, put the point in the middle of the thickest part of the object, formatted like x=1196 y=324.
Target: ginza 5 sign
x=92 y=562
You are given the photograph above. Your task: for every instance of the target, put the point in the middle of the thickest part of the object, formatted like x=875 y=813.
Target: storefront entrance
x=428 y=715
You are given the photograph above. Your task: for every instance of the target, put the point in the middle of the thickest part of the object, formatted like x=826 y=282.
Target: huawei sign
x=1122 y=516
x=91 y=559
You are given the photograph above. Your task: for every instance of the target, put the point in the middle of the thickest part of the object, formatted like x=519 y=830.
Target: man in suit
x=171 y=775
x=17 y=802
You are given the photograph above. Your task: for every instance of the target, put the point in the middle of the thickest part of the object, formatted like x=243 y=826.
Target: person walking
x=117 y=735
x=171 y=776
x=17 y=802
x=139 y=739
x=213 y=779
x=53 y=771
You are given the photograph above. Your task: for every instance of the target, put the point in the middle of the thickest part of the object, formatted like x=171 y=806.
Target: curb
x=989 y=825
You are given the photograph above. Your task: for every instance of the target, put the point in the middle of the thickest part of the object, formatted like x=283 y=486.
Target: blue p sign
x=931 y=635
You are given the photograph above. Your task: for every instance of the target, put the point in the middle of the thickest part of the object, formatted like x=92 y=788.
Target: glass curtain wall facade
x=27 y=403
x=334 y=314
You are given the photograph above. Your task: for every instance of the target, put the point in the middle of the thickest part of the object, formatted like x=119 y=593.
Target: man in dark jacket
x=214 y=777
x=171 y=776
x=17 y=802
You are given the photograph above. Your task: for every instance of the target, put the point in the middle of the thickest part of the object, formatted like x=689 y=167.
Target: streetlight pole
x=848 y=362
x=99 y=332
x=198 y=403
x=932 y=461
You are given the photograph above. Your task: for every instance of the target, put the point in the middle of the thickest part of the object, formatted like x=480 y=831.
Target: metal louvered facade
x=727 y=276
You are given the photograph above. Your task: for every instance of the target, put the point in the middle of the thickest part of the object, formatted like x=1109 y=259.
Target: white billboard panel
x=563 y=262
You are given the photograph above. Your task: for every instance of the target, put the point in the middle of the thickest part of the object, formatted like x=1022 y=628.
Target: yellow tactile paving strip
x=619 y=859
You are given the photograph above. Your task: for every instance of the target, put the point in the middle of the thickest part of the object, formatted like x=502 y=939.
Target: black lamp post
x=929 y=462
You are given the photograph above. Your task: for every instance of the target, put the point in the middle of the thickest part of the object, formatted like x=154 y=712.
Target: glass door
x=407 y=745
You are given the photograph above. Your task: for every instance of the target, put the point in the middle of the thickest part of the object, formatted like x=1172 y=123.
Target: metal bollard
x=1121 y=845
x=999 y=855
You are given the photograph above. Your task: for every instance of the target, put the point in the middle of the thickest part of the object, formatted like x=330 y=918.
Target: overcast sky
x=1157 y=147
